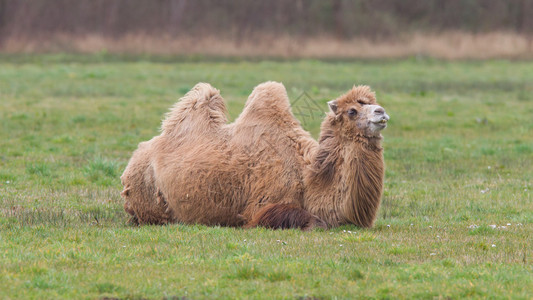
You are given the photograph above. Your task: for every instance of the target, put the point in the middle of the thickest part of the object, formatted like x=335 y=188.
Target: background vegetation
x=287 y=28
x=456 y=218
x=241 y=19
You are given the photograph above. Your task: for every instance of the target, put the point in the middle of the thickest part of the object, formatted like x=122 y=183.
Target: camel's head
x=357 y=112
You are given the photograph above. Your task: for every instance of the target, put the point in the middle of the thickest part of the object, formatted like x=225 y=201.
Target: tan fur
x=202 y=170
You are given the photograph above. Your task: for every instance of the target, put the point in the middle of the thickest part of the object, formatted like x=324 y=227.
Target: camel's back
x=212 y=173
x=256 y=160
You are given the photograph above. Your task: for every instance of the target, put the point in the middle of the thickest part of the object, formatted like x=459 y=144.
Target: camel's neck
x=345 y=183
x=362 y=174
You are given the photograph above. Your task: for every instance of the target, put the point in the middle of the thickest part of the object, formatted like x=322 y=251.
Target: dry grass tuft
x=446 y=45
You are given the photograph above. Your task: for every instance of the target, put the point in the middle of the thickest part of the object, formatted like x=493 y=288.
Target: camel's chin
x=381 y=125
x=377 y=127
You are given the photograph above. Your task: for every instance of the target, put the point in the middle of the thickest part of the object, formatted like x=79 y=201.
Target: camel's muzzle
x=378 y=116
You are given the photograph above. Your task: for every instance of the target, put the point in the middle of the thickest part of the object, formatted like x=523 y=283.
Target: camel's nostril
x=379 y=111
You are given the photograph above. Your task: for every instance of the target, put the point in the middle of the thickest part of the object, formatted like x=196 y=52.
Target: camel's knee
x=128 y=208
x=284 y=216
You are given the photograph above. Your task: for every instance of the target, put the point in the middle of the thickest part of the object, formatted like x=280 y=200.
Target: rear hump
x=202 y=108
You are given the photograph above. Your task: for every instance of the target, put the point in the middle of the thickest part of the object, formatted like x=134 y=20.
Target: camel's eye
x=361 y=102
x=352 y=112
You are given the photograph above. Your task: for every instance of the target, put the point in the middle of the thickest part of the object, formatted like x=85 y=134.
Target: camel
x=263 y=169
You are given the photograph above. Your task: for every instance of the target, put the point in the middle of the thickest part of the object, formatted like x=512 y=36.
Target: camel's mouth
x=381 y=123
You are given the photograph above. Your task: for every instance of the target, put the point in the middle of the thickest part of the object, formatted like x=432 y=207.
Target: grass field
x=459 y=155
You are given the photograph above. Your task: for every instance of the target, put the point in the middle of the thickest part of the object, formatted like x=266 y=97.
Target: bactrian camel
x=263 y=169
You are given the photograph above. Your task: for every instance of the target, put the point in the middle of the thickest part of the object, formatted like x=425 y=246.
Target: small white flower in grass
x=473 y=226
x=349 y=231
x=525 y=190
x=432 y=254
x=508 y=224
x=344 y=231
x=411 y=224
x=340 y=245
x=503 y=227
x=489 y=167
x=244 y=240
x=492 y=226
x=438 y=236
x=331 y=233
x=388 y=226
x=493 y=246
x=430 y=226
x=8 y=182
x=519 y=224
x=485 y=191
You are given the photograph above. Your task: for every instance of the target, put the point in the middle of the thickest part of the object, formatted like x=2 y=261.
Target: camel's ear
x=333 y=106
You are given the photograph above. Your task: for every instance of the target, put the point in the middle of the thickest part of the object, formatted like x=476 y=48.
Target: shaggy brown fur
x=345 y=182
x=215 y=173
x=202 y=170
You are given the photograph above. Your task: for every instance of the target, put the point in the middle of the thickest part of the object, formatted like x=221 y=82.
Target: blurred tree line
x=242 y=19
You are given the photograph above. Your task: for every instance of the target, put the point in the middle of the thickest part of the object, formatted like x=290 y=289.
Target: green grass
x=459 y=152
